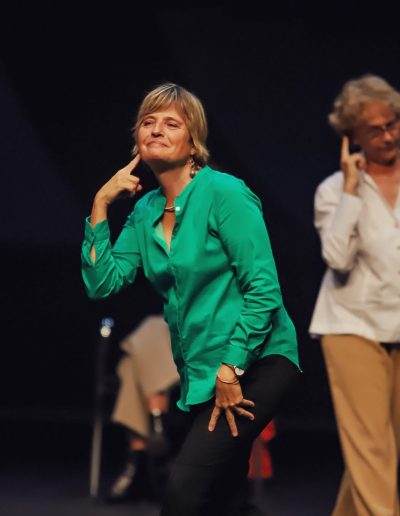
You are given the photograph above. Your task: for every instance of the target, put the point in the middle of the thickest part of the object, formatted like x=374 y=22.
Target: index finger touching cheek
x=130 y=167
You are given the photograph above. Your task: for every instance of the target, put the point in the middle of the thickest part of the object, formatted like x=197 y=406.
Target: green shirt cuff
x=237 y=356
x=101 y=231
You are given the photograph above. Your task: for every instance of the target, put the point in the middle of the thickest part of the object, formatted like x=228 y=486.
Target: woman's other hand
x=229 y=399
x=351 y=165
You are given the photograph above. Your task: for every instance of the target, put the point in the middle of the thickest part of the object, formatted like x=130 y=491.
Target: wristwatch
x=237 y=370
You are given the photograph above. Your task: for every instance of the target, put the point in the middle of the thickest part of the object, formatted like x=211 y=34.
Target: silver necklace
x=171 y=209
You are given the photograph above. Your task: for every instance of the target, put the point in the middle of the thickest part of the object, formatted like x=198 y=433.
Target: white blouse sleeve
x=336 y=216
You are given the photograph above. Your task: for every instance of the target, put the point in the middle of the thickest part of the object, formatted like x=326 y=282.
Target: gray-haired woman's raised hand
x=351 y=165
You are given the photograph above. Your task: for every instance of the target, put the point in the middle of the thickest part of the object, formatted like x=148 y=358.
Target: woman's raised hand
x=123 y=182
x=351 y=165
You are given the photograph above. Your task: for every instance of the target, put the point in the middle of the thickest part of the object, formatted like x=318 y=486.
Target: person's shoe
x=132 y=483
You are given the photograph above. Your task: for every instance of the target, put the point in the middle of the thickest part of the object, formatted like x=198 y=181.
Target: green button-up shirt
x=218 y=281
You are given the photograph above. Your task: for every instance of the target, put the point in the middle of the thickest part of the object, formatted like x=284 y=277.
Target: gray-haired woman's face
x=378 y=133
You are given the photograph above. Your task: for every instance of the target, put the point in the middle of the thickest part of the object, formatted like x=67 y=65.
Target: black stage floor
x=45 y=472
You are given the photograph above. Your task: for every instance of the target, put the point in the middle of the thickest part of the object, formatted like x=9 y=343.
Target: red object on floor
x=260 y=459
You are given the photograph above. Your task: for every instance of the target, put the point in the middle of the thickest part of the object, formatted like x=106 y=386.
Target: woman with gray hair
x=201 y=240
x=357 y=314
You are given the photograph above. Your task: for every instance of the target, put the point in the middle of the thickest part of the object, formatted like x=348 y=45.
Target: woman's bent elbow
x=338 y=263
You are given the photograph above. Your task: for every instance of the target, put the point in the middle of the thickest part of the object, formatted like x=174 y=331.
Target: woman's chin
x=155 y=162
x=156 y=154
x=389 y=158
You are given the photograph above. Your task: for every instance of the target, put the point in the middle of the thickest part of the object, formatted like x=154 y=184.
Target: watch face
x=238 y=371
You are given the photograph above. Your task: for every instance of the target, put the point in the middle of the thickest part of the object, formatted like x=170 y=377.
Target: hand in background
x=351 y=165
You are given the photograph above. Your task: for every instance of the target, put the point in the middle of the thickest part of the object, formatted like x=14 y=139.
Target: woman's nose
x=156 y=129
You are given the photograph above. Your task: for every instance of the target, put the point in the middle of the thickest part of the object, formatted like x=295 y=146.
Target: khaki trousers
x=365 y=385
x=146 y=369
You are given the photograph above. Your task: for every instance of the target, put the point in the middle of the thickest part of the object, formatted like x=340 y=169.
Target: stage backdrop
x=70 y=84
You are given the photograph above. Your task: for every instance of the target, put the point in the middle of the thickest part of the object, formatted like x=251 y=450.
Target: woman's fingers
x=137 y=189
x=245 y=413
x=214 y=418
x=121 y=184
x=231 y=422
x=247 y=403
x=127 y=182
x=345 y=150
x=359 y=161
x=130 y=167
x=229 y=398
x=230 y=417
x=351 y=164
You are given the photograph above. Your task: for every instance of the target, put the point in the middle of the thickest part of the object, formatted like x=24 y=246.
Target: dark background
x=70 y=83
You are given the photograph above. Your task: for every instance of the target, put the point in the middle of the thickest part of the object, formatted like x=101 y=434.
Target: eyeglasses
x=378 y=131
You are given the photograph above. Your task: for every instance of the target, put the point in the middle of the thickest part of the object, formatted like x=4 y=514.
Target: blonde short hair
x=355 y=95
x=191 y=108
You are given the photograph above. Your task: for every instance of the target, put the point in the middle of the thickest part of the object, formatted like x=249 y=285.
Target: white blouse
x=360 y=240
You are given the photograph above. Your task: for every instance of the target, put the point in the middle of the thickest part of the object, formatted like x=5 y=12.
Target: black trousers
x=209 y=475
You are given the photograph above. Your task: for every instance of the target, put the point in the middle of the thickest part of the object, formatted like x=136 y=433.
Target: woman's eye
x=172 y=124
x=146 y=122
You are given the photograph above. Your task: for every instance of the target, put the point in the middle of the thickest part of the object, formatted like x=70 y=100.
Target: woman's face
x=163 y=136
x=378 y=133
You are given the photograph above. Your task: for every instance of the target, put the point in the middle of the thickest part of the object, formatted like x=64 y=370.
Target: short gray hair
x=354 y=95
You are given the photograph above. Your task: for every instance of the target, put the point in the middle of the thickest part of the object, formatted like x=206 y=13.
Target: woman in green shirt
x=201 y=240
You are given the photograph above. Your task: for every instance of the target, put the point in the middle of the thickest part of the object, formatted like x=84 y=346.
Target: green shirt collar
x=181 y=199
